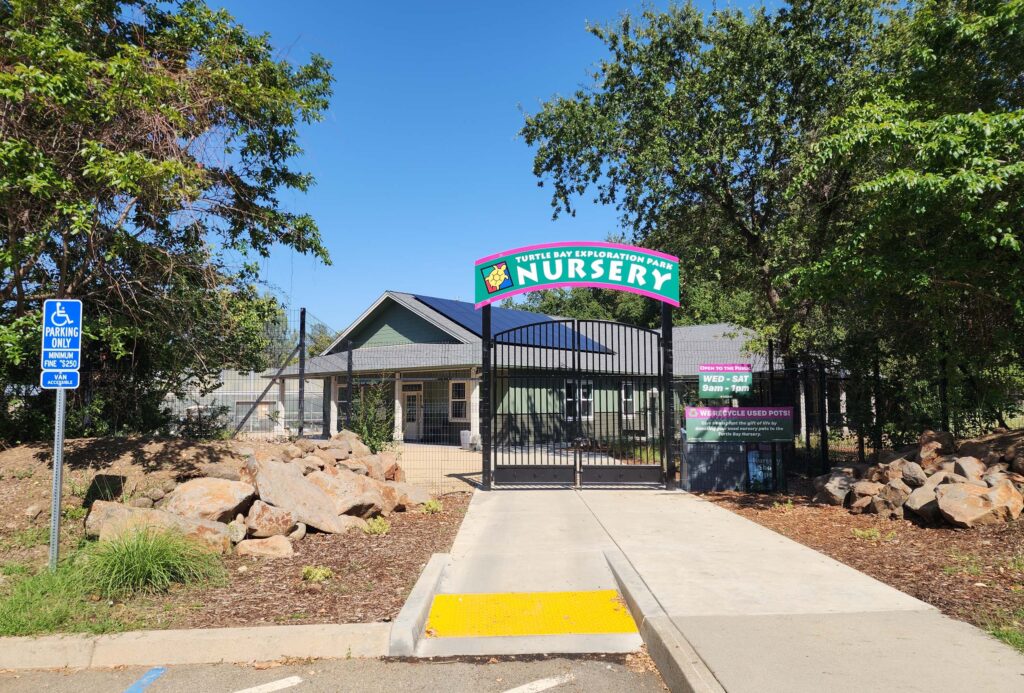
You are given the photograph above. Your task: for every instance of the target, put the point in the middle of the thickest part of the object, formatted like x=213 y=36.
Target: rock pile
x=261 y=506
x=934 y=482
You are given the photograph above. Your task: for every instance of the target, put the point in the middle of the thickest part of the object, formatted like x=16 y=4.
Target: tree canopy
x=143 y=148
x=852 y=167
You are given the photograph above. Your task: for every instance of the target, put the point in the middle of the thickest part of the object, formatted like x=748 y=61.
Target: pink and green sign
x=588 y=264
x=723 y=380
x=739 y=424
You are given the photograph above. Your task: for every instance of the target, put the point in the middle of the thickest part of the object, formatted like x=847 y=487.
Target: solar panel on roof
x=554 y=336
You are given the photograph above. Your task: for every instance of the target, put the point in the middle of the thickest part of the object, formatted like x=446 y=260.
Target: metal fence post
x=485 y=396
x=348 y=385
x=771 y=402
x=669 y=398
x=302 y=370
x=877 y=422
x=823 y=416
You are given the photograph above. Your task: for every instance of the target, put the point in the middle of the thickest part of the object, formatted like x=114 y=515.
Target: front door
x=412 y=412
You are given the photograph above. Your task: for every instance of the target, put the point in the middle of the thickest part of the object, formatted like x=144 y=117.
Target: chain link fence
x=261 y=404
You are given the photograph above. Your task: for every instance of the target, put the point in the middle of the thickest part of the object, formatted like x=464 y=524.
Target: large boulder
x=909 y=472
x=272 y=547
x=232 y=471
x=209 y=499
x=109 y=520
x=359 y=448
x=354 y=466
x=832 y=488
x=305 y=445
x=889 y=501
x=409 y=495
x=350 y=493
x=375 y=467
x=970 y=467
x=967 y=505
x=947 y=444
x=282 y=485
x=332 y=455
x=866 y=488
x=390 y=463
x=922 y=503
x=267 y=521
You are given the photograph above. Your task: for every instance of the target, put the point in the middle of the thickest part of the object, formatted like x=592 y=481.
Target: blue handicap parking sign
x=62 y=343
x=58 y=380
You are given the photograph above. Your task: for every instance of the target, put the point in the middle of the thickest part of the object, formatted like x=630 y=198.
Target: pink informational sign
x=725 y=368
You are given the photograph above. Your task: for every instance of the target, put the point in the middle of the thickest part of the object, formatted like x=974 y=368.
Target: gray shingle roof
x=692 y=346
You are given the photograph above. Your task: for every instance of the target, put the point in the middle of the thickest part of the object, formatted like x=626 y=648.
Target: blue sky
x=419 y=170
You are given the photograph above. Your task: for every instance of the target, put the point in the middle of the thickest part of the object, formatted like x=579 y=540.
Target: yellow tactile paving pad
x=528 y=613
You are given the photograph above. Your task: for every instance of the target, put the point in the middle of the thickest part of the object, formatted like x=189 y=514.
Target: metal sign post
x=60 y=360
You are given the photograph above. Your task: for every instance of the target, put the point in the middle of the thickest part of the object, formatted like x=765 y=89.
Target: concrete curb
x=681 y=667
x=196 y=646
x=412 y=619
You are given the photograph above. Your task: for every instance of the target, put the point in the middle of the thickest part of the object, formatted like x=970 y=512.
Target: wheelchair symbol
x=65 y=319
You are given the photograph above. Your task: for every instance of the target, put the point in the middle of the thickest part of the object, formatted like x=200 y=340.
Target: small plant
x=783 y=507
x=870 y=534
x=377 y=525
x=32 y=536
x=146 y=562
x=964 y=563
x=74 y=513
x=22 y=474
x=432 y=506
x=1016 y=563
x=76 y=488
x=316 y=573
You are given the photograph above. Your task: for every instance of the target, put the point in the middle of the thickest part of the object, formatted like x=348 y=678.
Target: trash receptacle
x=464 y=439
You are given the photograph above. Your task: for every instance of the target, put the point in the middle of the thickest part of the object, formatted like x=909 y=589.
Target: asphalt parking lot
x=610 y=674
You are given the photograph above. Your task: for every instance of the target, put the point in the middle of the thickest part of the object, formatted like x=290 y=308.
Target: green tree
x=927 y=276
x=143 y=146
x=695 y=128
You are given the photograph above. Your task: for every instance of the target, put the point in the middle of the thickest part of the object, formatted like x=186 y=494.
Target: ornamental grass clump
x=147 y=561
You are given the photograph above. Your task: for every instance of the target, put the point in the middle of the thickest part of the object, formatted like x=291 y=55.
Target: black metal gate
x=575 y=402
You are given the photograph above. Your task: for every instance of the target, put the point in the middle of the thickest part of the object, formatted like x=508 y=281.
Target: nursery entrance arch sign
x=594 y=264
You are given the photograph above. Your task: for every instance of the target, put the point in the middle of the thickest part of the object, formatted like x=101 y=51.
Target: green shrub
x=377 y=525
x=374 y=415
x=316 y=573
x=147 y=561
x=432 y=506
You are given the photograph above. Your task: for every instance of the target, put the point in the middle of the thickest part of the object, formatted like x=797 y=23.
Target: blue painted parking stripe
x=147 y=679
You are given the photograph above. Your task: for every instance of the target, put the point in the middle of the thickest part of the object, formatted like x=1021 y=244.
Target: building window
x=628 y=407
x=579 y=400
x=458 y=404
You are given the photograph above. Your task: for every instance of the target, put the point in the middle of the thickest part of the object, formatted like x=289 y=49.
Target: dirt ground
x=372 y=574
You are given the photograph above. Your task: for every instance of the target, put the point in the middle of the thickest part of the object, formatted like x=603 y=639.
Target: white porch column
x=842 y=409
x=398 y=407
x=331 y=405
x=474 y=407
x=282 y=391
x=803 y=411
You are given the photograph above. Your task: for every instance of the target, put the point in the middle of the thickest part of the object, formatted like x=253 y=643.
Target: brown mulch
x=976 y=575
x=373 y=575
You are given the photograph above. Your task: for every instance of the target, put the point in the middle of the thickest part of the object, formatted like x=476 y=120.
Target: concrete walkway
x=762 y=612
